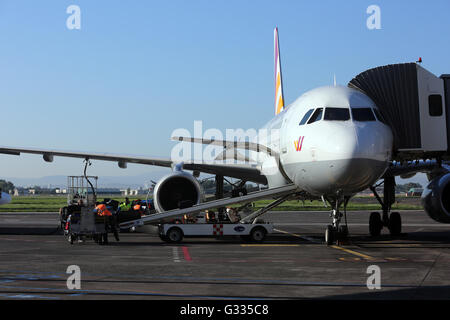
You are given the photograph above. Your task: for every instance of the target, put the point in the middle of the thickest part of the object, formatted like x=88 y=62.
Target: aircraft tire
x=375 y=224
x=395 y=224
x=343 y=231
x=329 y=235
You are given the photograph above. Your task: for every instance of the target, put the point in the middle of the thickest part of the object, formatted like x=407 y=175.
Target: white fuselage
x=341 y=152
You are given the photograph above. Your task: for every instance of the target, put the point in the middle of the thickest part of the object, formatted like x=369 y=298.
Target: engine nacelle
x=177 y=190
x=436 y=199
x=48 y=157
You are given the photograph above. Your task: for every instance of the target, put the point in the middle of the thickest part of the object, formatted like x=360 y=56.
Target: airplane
x=332 y=142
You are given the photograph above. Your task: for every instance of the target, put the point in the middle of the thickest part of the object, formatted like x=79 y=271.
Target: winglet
x=279 y=98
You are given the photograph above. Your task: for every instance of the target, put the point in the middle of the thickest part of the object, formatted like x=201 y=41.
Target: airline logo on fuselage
x=299 y=143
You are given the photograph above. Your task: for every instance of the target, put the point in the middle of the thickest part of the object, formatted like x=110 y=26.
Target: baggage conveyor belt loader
x=248 y=228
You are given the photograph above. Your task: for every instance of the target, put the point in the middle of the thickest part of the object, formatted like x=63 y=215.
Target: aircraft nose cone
x=340 y=143
x=374 y=141
x=365 y=160
x=352 y=159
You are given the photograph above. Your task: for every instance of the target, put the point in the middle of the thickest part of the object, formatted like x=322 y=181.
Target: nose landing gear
x=336 y=231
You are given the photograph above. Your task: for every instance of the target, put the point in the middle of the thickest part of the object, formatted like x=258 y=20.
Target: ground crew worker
x=210 y=216
x=114 y=225
x=187 y=219
x=138 y=207
x=103 y=211
x=125 y=206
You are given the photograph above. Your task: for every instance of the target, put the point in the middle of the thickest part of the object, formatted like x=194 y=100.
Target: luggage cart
x=86 y=225
x=79 y=220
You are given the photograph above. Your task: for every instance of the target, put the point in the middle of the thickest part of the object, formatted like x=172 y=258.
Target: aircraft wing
x=230 y=144
x=246 y=172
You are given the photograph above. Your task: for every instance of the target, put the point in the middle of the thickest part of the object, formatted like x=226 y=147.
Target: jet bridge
x=415 y=104
x=446 y=78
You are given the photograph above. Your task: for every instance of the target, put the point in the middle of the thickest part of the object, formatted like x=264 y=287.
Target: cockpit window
x=362 y=114
x=306 y=117
x=317 y=115
x=379 y=116
x=337 y=114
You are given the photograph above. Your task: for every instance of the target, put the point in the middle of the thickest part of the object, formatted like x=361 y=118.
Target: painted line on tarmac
x=299 y=236
x=176 y=256
x=186 y=254
x=359 y=254
x=270 y=245
x=364 y=256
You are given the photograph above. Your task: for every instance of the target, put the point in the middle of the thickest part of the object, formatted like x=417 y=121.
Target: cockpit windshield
x=306 y=117
x=317 y=115
x=363 y=114
x=337 y=114
x=379 y=116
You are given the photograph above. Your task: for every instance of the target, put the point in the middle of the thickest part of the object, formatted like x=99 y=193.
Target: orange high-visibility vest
x=103 y=211
x=137 y=207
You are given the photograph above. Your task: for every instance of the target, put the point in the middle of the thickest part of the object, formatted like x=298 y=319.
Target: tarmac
x=292 y=263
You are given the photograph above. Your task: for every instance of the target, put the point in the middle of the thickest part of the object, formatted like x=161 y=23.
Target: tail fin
x=279 y=98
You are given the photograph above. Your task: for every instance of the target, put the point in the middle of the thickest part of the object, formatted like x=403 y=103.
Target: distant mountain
x=137 y=180
x=103 y=181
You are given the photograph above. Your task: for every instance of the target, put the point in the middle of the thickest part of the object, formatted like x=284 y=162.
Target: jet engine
x=177 y=190
x=436 y=198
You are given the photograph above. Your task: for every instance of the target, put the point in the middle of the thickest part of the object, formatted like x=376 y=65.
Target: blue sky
x=138 y=70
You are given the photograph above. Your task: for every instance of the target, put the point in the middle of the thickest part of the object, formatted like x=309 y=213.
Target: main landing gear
x=336 y=231
x=391 y=220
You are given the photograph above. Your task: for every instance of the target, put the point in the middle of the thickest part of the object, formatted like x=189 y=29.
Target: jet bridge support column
x=388 y=198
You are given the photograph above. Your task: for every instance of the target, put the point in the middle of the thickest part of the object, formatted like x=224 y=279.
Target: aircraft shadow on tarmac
x=432 y=239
